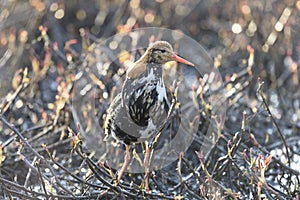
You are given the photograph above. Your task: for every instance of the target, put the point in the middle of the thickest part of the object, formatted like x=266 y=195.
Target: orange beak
x=181 y=60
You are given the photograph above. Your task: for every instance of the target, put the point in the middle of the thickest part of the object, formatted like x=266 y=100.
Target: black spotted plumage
x=140 y=110
x=118 y=125
x=141 y=102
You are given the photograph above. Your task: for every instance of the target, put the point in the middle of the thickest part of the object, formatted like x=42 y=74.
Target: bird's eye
x=163 y=50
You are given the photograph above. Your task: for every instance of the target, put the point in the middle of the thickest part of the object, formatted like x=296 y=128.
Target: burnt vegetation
x=47 y=48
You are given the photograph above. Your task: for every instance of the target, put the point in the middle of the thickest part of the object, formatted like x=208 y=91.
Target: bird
x=138 y=112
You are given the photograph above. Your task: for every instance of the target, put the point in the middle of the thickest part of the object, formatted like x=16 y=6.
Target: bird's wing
x=119 y=125
x=132 y=82
x=111 y=113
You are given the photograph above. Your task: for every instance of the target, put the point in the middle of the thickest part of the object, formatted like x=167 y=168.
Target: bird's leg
x=125 y=164
x=148 y=154
x=146 y=166
x=153 y=145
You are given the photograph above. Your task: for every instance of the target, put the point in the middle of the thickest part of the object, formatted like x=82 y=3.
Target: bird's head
x=161 y=52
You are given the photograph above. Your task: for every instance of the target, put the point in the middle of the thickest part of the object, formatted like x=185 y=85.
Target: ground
x=57 y=56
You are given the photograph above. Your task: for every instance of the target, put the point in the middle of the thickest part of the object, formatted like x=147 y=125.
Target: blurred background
x=224 y=29
x=42 y=43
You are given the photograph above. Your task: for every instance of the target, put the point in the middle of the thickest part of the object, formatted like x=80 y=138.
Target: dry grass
x=256 y=149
